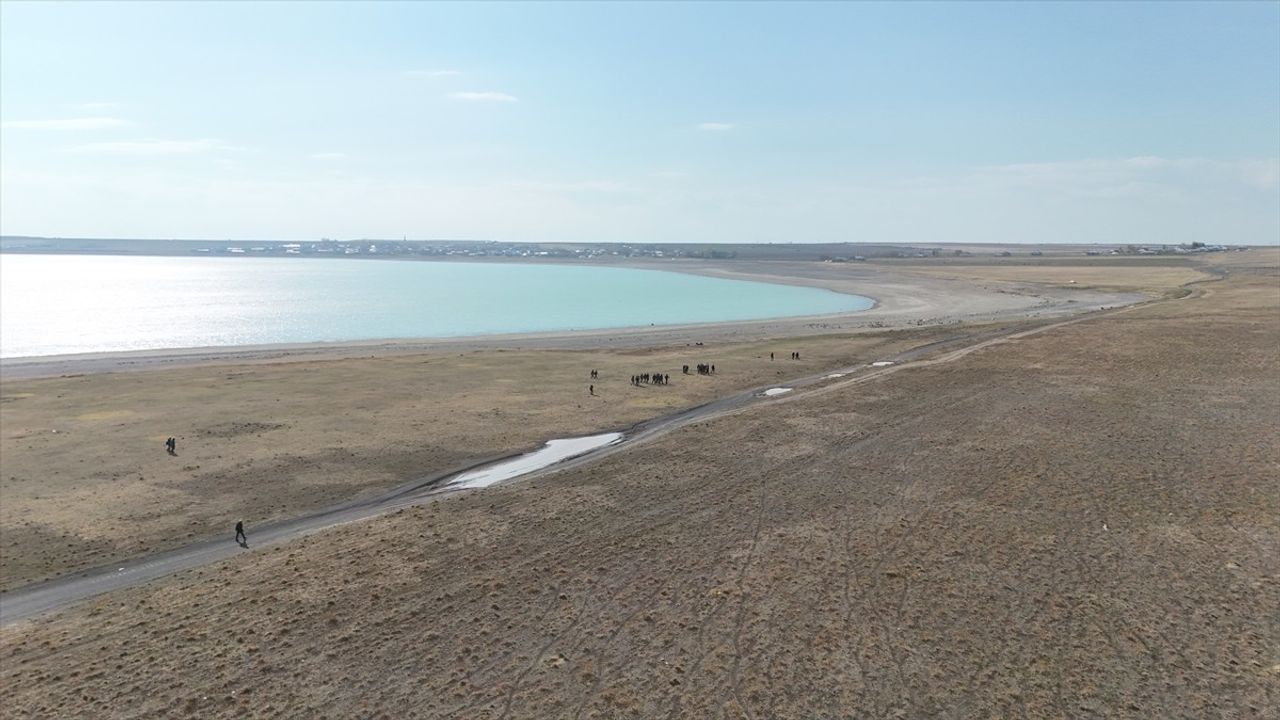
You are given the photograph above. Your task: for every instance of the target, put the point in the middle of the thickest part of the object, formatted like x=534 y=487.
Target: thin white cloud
x=602 y=186
x=1134 y=174
x=486 y=96
x=329 y=156
x=1167 y=200
x=149 y=147
x=1261 y=174
x=433 y=73
x=715 y=126
x=84 y=123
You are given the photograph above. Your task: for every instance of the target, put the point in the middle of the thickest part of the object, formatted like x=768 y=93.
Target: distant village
x=476 y=249
x=461 y=249
x=1197 y=247
x=534 y=251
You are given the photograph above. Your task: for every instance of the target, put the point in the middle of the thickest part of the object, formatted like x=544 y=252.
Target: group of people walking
x=654 y=378
x=171 y=446
x=657 y=378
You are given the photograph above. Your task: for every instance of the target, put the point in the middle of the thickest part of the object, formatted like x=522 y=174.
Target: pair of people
x=171 y=445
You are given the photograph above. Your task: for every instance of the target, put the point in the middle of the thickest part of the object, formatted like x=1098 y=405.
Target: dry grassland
x=1155 y=274
x=86 y=480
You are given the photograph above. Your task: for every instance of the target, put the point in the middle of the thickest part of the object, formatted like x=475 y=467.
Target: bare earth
x=1083 y=522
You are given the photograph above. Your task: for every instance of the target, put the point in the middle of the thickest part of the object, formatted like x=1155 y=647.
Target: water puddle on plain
x=832 y=376
x=771 y=392
x=882 y=363
x=555 y=451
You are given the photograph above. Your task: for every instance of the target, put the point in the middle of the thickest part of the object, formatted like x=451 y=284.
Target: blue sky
x=716 y=122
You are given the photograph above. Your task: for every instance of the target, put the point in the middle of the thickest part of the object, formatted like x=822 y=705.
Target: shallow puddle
x=555 y=451
x=776 y=391
x=882 y=363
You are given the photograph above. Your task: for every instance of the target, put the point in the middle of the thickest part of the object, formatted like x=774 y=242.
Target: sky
x=658 y=122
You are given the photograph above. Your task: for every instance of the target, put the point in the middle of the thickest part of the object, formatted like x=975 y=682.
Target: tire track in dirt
x=735 y=675
x=533 y=662
x=593 y=692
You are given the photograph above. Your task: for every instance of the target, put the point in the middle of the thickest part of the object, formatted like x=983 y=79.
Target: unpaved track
x=50 y=595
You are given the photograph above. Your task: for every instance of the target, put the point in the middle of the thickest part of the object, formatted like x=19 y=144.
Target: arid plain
x=1078 y=522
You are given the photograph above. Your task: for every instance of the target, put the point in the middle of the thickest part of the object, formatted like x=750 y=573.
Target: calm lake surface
x=55 y=304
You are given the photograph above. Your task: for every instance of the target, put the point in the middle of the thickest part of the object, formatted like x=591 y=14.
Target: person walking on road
x=240 y=536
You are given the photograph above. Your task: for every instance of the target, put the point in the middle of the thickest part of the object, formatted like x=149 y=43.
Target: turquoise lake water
x=56 y=304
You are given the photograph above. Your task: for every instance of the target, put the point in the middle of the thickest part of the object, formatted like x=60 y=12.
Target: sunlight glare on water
x=78 y=303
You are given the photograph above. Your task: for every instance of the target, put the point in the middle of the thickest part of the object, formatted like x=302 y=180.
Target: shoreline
x=900 y=299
